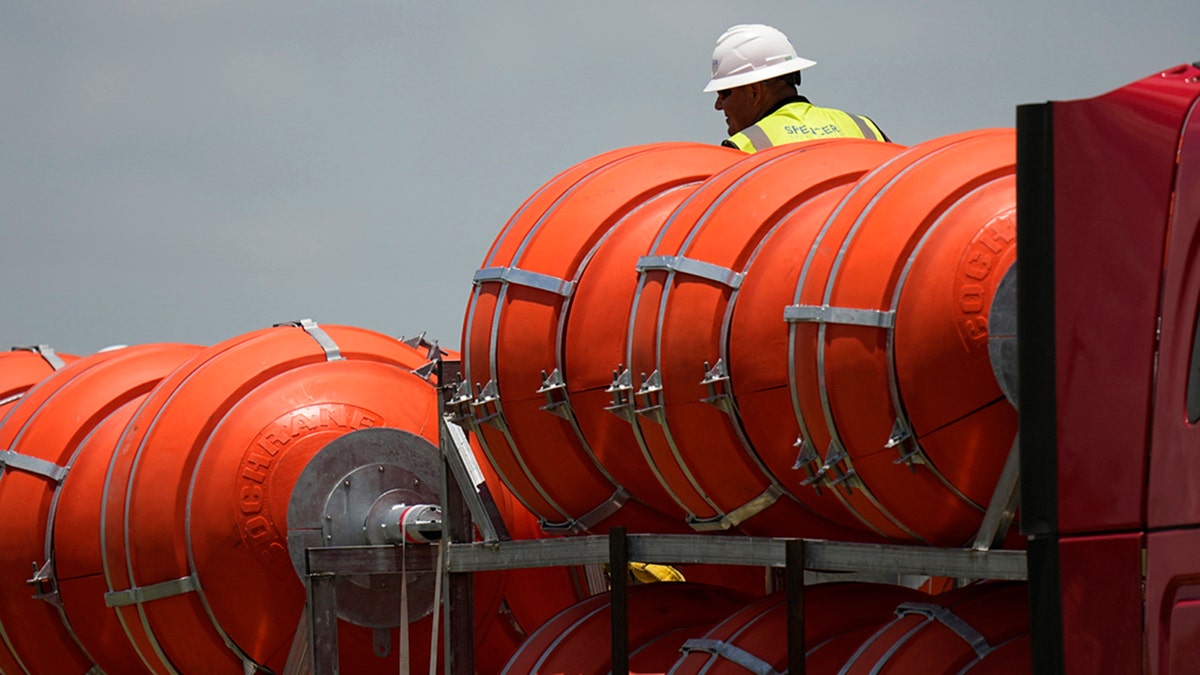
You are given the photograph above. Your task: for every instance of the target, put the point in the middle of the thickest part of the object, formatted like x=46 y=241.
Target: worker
x=756 y=72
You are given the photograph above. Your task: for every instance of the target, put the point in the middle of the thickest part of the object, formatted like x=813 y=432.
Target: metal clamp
x=849 y=316
x=716 y=380
x=45 y=585
x=902 y=437
x=648 y=398
x=949 y=619
x=691 y=267
x=46 y=352
x=731 y=653
x=10 y=459
x=739 y=515
x=555 y=390
x=835 y=457
x=140 y=594
x=331 y=349
x=621 y=390
x=810 y=462
x=526 y=278
x=592 y=518
x=485 y=406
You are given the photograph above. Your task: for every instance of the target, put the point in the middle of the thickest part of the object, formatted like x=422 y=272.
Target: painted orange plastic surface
x=956 y=186
x=831 y=611
x=51 y=423
x=511 y=333
x=21 y=370
x=579 y=639
x=682 y=322
x=915 y=644
x=201 y=482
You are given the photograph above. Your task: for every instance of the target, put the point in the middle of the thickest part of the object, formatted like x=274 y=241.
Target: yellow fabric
x=803 y=121
x=648 y=573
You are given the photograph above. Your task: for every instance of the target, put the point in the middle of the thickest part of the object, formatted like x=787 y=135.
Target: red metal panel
x=1175 y=442
x=1114 y=167
x=1172 y=629
x=1101 y=581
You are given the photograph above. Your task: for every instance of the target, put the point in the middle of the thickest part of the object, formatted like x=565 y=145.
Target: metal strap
x=9 y=399
x=331 y=349
x=740 y=514
x=520 y=277
x=757 y=137
x=138 y=595
x=46 y=352
x=864 y=127
x=590 y=519
x=731 y=653
x=850 y=316
x=950 y=620
x=691 y=267
x=10 y=459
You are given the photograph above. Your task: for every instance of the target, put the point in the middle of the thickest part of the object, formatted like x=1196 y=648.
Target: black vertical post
x=460 y=586
x=794 y=585
x=322 y=618
x=618 y=569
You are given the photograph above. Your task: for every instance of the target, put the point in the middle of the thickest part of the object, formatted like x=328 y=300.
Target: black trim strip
x=1045 y=606
x=1035 y=319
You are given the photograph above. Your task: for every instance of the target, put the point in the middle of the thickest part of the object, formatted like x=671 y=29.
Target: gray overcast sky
x=190 y=170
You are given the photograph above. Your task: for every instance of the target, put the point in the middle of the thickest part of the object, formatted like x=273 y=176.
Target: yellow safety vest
x=803 y=121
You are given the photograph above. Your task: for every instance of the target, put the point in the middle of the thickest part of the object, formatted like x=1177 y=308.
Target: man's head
x=753 y=66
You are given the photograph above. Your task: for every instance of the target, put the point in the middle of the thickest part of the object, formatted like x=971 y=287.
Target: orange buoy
x=837 y=617
x=898 y=407
x=512 y=335
x=680 y=332
x=21 y=368
x=49 y=475
x=975 y=629
x=661 y=617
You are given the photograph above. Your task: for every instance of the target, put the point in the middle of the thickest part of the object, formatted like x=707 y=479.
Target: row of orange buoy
x=679 y=337
x=850 y=628
x=149 y=492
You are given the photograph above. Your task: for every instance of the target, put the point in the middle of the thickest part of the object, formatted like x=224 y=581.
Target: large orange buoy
x=46 y=437
x=661 y=617
x=977 y=629
x=899 y=409
x=512 y=335
x=688 y=285
x=254 y=449
x=755 y=638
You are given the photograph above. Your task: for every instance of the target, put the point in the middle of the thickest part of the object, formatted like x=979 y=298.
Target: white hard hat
x=752 y=53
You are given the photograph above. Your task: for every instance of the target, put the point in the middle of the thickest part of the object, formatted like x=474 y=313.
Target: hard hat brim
x=729 y=82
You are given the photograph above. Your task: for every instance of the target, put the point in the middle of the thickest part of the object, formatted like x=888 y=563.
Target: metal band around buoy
x=739 y=515
x=46 y=352
x=946 y=617
x=520 y=277
x=140 y=594
x=848 y=316
x=690 y=267
x=331 y=349
x=590 y=519
x=10 y=459
x=731 y=653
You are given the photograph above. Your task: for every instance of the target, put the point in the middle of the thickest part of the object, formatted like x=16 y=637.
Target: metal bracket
x=810 y=462
x=485 y=408
x=1003 y=505
x=141 y=594
x=10 y=459
x=649 y=396
x=46 y=352
x=731 y=653
x=592 y=518
x=850 y=316
x=459 y=407
x=555 y=390
x=835 y=457
x=331 y=349
x=621 y=390
x=457 y=452
x=716 y=380
x=691 y=267
x=902 y=437
x=45 y=587
x=526 y=278
x=949 y=619
x=740 y=514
